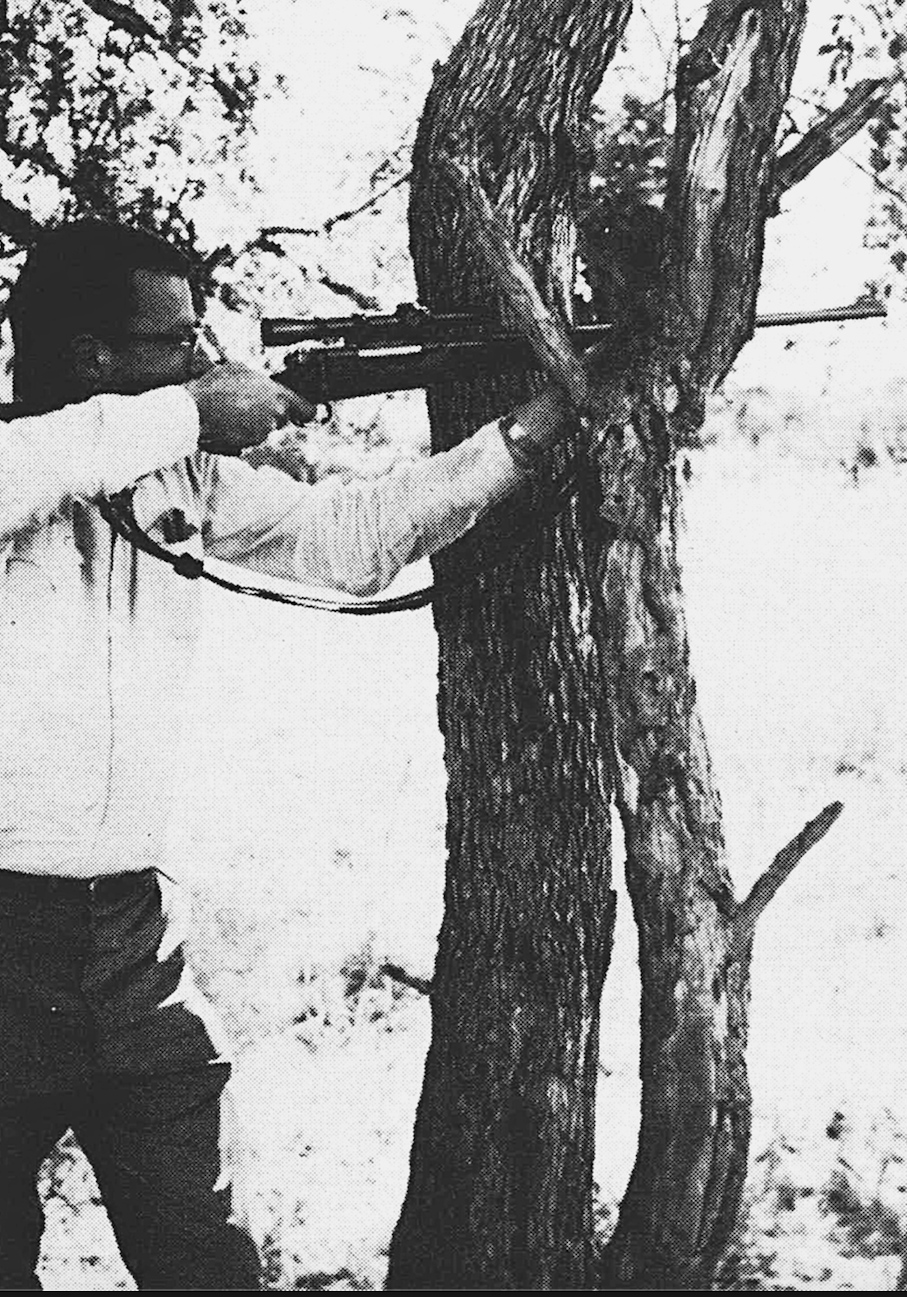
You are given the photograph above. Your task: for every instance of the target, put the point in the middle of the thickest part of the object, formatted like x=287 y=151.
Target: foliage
x=619 y=211
x=142 y=112
x=139 y=111
x=870 y=40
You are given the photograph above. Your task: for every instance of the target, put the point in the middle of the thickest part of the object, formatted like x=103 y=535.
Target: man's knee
x=195 y=1255
x=157 y=1146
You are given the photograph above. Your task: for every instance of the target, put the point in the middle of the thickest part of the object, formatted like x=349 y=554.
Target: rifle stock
x=326 y=374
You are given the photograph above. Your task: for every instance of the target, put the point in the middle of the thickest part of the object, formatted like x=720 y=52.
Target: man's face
x=159 y=344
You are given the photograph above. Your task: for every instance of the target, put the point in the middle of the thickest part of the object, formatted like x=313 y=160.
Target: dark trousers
x=100 y=1033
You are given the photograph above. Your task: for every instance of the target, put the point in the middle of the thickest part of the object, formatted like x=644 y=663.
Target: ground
x=309 y=848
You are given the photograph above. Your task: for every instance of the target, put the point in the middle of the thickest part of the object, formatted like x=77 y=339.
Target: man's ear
x=91 y=361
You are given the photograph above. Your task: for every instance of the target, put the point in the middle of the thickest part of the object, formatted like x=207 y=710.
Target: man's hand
x=238 y=407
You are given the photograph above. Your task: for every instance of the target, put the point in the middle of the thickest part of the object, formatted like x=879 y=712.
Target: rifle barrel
x=830 y=314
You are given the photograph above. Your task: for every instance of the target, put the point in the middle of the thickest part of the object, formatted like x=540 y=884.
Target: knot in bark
x=649 y=690
x=649 y=716
x=699 y=65
x=663 y=770
x=624 y=475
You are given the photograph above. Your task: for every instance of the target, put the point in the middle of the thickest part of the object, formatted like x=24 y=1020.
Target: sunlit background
x=309 y=835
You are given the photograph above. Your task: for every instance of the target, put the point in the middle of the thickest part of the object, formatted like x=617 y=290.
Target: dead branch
x=124 y=18
x=827 y=136
x=367 y=205
x=515 y=284
x=421 y=984
x=362 y=300
x=272 y=231
x=309 y=231
x=781 y=868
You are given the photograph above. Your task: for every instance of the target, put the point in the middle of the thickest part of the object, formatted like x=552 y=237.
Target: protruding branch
x=827 y=136
x=364 y=301
x=397 y=974
x=783 y=865
x=349 y=214
x=515 y=284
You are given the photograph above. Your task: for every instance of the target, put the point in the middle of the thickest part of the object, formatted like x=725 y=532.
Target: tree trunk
x=565 y=668
x=500 y=1189
x=684 y=1196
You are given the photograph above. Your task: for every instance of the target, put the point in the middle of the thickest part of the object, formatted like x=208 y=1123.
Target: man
x=100 y=1027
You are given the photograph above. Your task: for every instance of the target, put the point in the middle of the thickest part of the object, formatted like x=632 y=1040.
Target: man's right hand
x=239 y=407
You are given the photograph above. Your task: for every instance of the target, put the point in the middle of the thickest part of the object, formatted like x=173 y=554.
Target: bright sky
x=357 y=73
x=356 y=81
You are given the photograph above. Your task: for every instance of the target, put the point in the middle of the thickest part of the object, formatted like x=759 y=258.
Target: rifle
x=361 y=355
x=365 y=354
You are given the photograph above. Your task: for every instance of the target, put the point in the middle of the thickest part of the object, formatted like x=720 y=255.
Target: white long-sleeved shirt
x=96 y=639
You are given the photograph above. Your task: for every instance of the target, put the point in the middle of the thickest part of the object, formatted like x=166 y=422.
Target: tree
x=565 y=677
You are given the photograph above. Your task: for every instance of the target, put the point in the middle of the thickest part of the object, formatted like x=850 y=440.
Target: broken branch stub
x=732 y=86
x=785 y=862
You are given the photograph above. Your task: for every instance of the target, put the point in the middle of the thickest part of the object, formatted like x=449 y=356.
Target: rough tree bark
x=500 y=1191
x=684 y=1195
x=565 y=672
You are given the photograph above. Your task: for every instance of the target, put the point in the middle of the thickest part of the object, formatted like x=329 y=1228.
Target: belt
x=105 y=889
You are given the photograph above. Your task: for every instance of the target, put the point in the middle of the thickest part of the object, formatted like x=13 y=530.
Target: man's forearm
x=357 y=537
x=96 y=447
x=461 y=484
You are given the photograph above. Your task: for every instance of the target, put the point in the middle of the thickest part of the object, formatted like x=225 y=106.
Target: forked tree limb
x=684 y=1196
x=513 y=282
x=541 y=675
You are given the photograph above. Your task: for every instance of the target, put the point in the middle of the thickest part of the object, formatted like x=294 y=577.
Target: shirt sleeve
x=95 y=447
x=356 y=536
